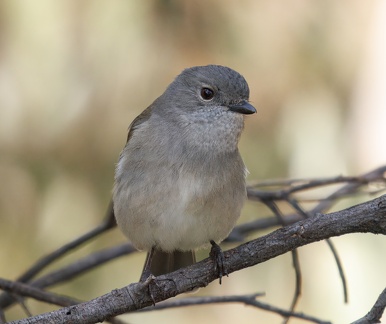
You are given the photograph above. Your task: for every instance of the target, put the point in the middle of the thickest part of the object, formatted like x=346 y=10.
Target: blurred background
x=74 y=74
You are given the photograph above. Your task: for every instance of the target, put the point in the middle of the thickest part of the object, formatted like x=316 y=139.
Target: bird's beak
x=243 y=107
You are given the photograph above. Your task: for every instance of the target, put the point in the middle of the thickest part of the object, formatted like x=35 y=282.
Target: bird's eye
x=207 y=94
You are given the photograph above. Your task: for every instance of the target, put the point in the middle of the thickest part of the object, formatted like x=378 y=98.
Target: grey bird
x=180 y=180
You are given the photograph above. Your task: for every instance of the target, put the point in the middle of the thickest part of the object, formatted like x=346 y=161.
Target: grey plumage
x=180 y=180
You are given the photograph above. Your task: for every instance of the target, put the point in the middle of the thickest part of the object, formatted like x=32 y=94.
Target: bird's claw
x=219 y=261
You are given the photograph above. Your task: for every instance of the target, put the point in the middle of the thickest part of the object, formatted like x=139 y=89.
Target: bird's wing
x=143 y=117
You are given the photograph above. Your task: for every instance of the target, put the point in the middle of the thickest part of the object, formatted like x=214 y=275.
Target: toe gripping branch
x=219 y=261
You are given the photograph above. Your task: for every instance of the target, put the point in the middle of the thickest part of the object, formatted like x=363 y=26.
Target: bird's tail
x=165 y=262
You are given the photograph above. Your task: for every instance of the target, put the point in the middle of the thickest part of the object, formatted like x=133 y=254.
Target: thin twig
x=331 y=246
x=324 y=204
x=23 y=305
x=245 y=299
x=298 y=279
x=107 y=224
x=340 y=269
x=294 y=253
x=83 y=265
x=38 y=294
x=78 y=267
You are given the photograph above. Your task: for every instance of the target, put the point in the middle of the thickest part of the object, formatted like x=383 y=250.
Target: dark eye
x=207 y=94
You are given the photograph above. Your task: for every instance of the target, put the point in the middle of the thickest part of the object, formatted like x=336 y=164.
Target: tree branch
x=369 y=217
x=376 y=312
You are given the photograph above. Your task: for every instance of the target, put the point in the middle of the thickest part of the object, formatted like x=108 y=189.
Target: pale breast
x=184 y=190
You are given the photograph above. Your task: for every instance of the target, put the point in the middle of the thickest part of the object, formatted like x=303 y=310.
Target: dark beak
x=243 y=107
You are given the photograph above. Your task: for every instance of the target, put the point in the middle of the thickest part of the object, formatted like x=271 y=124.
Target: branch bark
x=369 y=217
x=376 y=312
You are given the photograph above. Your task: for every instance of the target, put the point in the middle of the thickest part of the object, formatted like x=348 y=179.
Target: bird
x=180 y=180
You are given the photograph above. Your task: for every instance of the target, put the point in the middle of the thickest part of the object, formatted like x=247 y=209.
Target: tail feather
x=165 y=262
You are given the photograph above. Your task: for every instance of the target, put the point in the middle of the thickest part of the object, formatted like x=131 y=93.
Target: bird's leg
x=147 y=277
x=146 y=273
x=218 y=258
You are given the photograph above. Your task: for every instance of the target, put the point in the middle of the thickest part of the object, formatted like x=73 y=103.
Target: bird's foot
x=147 y=283
x=218 y=258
